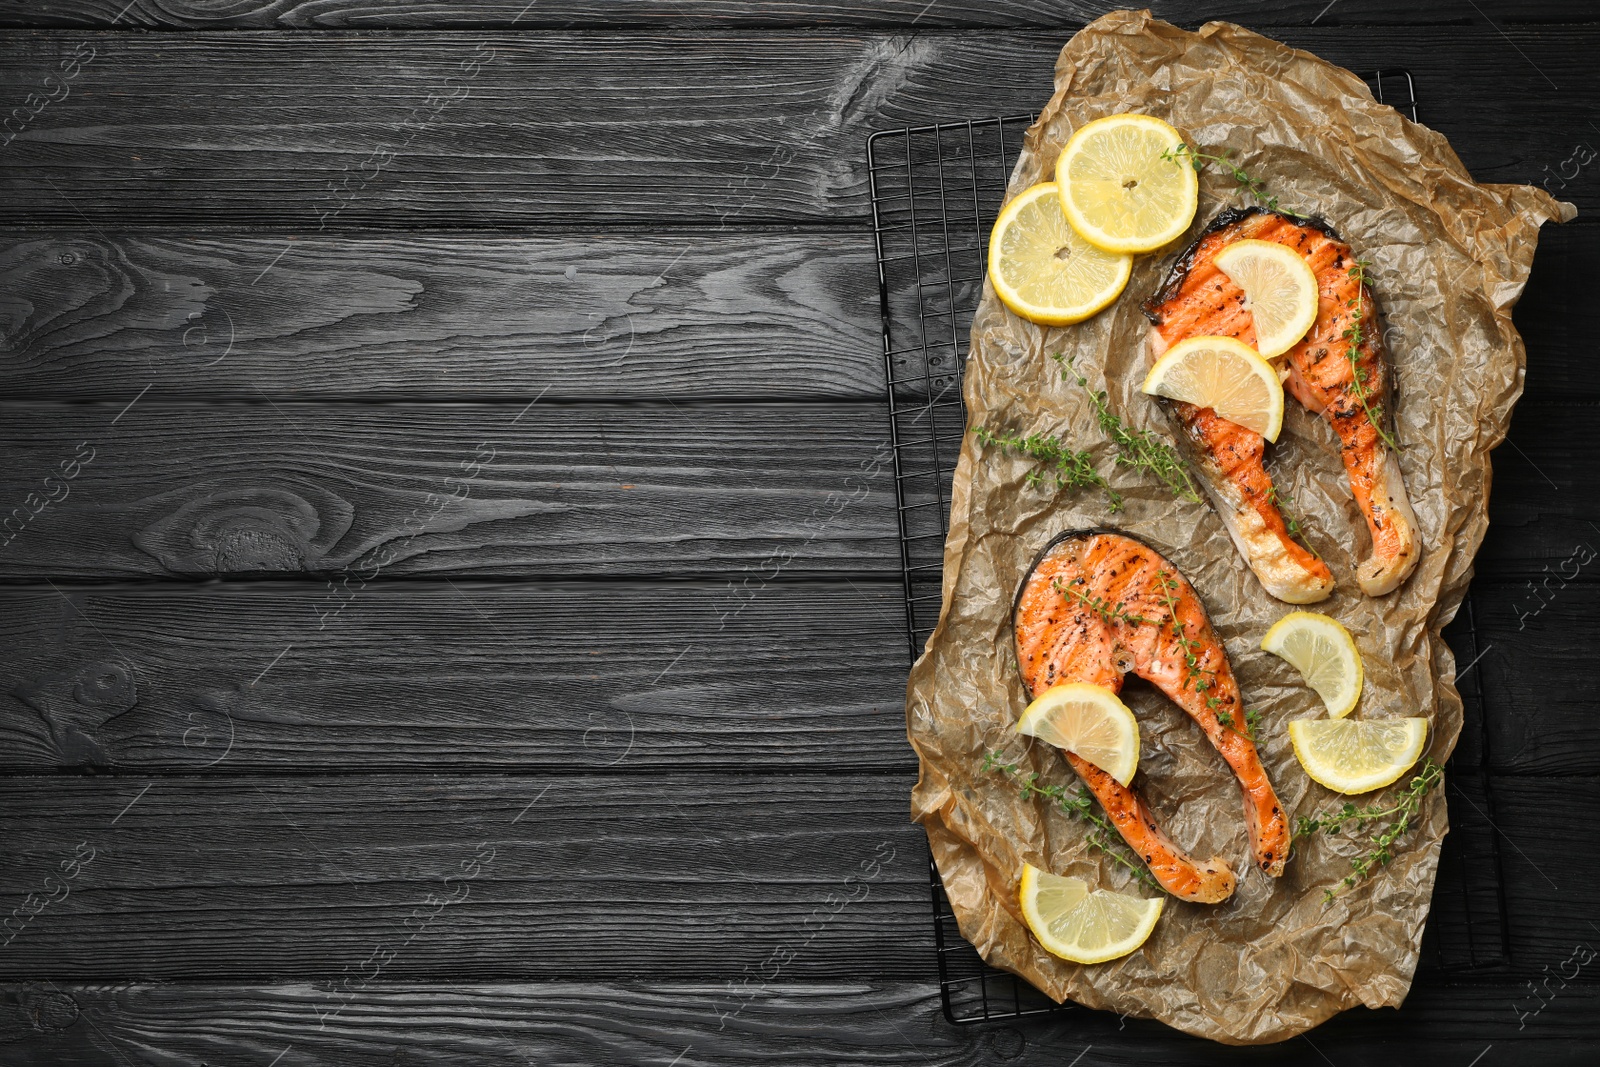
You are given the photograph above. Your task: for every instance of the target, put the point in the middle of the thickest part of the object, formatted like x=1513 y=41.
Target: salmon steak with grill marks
x=1339 y=370
x=1097 y=605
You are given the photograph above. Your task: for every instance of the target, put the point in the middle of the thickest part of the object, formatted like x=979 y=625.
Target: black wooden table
x=451 y=613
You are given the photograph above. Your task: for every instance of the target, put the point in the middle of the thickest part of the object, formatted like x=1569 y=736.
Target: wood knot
x=52 y=1012
x=247 y=530
x=252 y=539
x=100 y=684
x=77 y=704
x=34 y=1008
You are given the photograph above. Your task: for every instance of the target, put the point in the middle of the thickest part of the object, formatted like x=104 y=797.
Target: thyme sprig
x=1070 y=469
x=1255 y=187
x=1297 y=529
x=1202 y=681
x=1102 y=837
x=1405 y=806
x=1356 y=336
x=1111 y=613
x=1114 y=613
x=1139 y=449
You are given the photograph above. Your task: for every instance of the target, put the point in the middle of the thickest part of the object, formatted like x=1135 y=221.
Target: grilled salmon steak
x=1338 y=370
x=1098 y=604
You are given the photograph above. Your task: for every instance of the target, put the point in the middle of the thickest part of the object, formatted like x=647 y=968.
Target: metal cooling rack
x=935 y=192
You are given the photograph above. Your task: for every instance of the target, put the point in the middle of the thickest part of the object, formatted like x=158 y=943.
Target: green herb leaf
x=1071 y=470
x=1358 y=377
x=1405 y=806
x=1255 y=187
x=1297 y=529
x=1139 y=449
x=1103 y=837
x=1193 y=678
x=1110 y=613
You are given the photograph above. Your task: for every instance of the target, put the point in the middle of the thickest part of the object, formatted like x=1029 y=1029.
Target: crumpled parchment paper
x=1449 y=259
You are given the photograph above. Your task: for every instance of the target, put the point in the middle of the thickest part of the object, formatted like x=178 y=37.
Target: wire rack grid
x=935 y=191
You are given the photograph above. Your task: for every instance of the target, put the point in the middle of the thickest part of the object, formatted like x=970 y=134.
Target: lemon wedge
x=1043 y=270
x=1325 y=655
x=1225 y=375
x=1280 y=291
x=1357 y=755
x=1087 y=720
x=1118 y=190
x=1084 y=925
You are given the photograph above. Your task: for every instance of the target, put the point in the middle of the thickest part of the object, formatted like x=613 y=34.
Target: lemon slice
x=1043 y=270
x=1088 y=720
x=1357 y=755
x=1279 y=290
x=1118 y=191
x=1081 y=924
x=1325 y=655
x=1225 y=375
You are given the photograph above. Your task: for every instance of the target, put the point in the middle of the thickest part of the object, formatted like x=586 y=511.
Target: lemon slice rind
x=1280 y=290
x=1083 y=925
x=1088 y=720
x=1033 y=277
x=1225 y=375
x=1324 y=653
x=1118 y=191
x=1357 y=755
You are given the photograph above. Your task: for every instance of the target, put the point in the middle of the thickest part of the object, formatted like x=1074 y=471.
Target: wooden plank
x=691 y=675
x=456 y=677
x=606 y=874
x=1549 y=891
x=484 y=129
x=562 y=14
x=516 y=488
x=683 y=674
x=1466 y=933
x=1563 y=270
x=460 y=316
x=525 y=875
x=651 y=1022
x=1538 y=684
x=180 y=489
x=1545 y=487
x=736 y=314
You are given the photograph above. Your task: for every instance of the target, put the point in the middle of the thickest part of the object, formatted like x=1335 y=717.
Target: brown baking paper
x=1449 y=258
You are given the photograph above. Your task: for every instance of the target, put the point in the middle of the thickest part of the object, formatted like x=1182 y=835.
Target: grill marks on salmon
x=1198 y=300
x=1155 y=622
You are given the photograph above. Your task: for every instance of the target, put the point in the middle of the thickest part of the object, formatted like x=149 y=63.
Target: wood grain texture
x=474 y=676
x=1550 y=902
x=565 y=14
x=606 y=874
x=478 y=129
x=460 y=316
x=843 y=1023
x=590 y=316
x=648 y=791
x=1538 y=682
x=540 y=876
x=1545 y=500
x=196 y=490
x=461 y=677
x=1567 y=266
x=445 y=489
